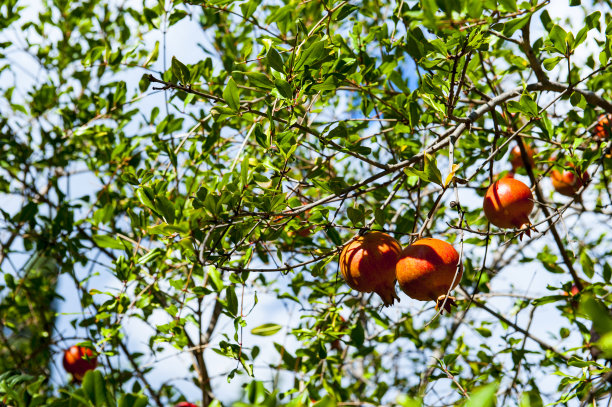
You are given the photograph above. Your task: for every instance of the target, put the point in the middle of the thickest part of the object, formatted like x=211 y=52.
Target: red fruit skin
x=517 y=161
x=604 y=127
x=75 y=363
x=185 y=404
x=427 y=268
x=368 y=264
x=568 y=182
x=508 y=203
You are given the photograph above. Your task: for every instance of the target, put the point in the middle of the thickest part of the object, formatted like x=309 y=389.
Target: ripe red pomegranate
x=568 y=182
x=603 y=128
x=368 y=264
x=508 y=203
x=426 y=271
x=78 y=360
x=185 y=404
x=517 y=161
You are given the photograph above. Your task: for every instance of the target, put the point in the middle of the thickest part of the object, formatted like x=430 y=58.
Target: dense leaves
x=177 y=179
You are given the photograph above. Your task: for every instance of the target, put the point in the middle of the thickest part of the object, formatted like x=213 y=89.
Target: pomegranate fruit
x=185 y=404
x=508 y=203
x=603 y=128
x=571 y=296
x=78 y=360
x=568 y=182
x=428 y=269
x=368 y=265
x=517 y=161
x=303 y=230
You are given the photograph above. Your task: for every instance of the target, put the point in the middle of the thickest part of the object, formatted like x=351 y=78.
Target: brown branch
x=140 y=375
x=505 y=320
x=535 y=63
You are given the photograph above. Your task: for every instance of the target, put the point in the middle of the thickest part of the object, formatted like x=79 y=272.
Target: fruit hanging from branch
x=185 y=404
x=517 y=161
x=568 y=182
x=508 y=203
x=78 y=360
x=428 y=269
x=368 y=265
x=603 y=128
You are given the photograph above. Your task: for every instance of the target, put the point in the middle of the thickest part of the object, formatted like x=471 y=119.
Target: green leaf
x=310 y=55
x=430 y=174
x=165 y=207
x=284 y=88
x=333 y=234
x=261 y=137
x=95 y=388
x=248 y=8
x=431 y=169
x=531 y=398
x=474 y=8
x=275 y=61
x=592 y=20
x=405 y=401
x=133 y=400
x=511 y=26
x=550 y=63
x=232 y=300
x=357 y=335
x=326 y=401
x=607 y=273
x=344 y=12
x=558 y=38
x=108 y=242
x=525 y=105
x=355 y=215
x=339 y=131
x=176 y=16
x=266 y=329
x=429 y=8
x=597 y=312
x=509 y=5
x=150 y=256
x=605 y=344
x=587 y=264
x=259 y=80
x=146 y=196
x=152 y=57
x=483 y=397
x=215 y=279
x=180 y=71
x=232 y=95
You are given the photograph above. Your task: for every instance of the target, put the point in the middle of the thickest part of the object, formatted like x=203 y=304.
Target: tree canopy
x=178 y=179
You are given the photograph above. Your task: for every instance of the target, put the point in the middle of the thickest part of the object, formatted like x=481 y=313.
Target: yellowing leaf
x=451 y=175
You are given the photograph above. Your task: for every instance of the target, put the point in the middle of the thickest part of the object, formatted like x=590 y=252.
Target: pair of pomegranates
x=570 y=180
x=425 y=270
x=566 y=182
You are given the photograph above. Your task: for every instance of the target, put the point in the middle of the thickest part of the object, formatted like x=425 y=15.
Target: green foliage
x=202 y=188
